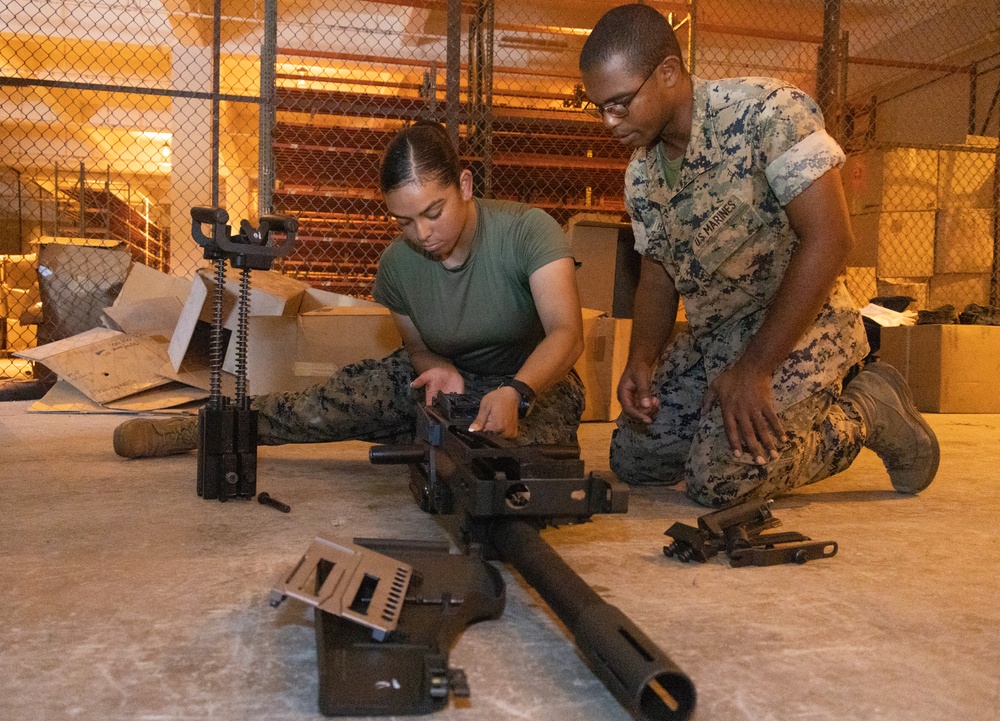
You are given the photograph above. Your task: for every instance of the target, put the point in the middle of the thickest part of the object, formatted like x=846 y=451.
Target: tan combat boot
x=146 y=437
x=895 y=429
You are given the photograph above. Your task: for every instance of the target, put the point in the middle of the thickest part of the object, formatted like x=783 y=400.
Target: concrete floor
x=126 y=596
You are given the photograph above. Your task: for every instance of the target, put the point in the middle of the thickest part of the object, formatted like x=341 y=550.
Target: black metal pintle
x=227 y=428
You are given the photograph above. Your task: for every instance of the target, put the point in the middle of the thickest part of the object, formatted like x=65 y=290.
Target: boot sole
x=892 y=376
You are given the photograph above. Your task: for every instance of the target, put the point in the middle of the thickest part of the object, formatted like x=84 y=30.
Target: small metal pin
x=266 y=500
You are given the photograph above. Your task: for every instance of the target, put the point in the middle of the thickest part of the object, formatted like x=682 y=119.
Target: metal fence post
x=827 y=73
x=453 y=79
x=265 y=153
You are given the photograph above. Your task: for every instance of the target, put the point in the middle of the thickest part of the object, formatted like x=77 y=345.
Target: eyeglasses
x=617 y=108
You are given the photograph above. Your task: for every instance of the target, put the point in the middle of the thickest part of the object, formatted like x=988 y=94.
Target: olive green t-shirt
x=480 y=315
x=671 y=167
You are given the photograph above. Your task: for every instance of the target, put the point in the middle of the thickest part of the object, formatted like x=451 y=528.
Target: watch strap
x=526 y=393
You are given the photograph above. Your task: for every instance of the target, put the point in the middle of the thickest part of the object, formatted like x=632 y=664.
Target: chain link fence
x=118 y=117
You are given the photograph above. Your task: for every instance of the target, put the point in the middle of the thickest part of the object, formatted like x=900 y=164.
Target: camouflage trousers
x=372 y=401
x=824 y=437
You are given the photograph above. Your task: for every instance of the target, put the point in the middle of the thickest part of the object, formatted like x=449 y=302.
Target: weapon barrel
x=392 y=454
x=640 y=675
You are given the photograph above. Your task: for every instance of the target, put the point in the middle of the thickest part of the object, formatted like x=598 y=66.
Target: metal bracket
x=352 y=582
x=773 y=556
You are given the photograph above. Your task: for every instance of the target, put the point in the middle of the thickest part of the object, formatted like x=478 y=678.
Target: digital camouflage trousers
x=824 y=437
x=372 y=401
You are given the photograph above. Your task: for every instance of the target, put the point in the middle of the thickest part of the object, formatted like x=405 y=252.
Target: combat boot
x=147 y=437
x=975 y=314
x=895 y=429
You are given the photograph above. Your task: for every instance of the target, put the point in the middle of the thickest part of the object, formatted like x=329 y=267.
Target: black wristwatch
x=527 y=395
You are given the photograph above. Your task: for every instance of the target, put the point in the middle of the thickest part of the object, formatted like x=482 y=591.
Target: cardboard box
x=865 y=251
x=322 y=341
x=906 y=244
x=893 y=179
x=268 y=360
x=609 y=264
x=965 y=178
x=18 y=271
x=605 y=352
x=20 y=305
x=899 y=244
x=297 y=335
x=19 y=336
x=950 y=368
x=958 y=289
x=104 y=368
x=963 y=242
x=144 y=283
x=107 y=366
x=916 y=288
x=174 y=398
x=270 y=294
x=20 y=301
x=909 y=179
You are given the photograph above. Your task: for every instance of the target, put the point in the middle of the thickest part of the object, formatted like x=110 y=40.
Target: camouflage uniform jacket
x=723 y=235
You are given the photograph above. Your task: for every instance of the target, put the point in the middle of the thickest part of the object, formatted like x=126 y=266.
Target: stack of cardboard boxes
x=19 y=301
x=923 y=221
x=924 y=224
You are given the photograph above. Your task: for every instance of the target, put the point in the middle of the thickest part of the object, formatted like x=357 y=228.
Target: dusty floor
x=126 y=596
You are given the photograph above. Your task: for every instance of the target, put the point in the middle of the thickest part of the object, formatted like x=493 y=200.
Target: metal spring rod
x=242 y=341
x=215 y=347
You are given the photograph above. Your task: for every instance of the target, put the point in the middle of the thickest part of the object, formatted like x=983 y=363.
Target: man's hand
x=498 y=412
x=747 y=404
x=634 y=393
x=446 y=380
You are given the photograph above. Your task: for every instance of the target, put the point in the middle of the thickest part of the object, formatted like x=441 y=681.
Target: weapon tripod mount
x=227 y=428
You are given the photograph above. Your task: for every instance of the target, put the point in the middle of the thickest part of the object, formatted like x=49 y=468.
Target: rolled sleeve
x=798 y=167
x=385 y=290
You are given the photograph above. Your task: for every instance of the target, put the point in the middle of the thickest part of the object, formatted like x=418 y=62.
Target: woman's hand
x=498 y=412
x=439 y=379
x=434 y=373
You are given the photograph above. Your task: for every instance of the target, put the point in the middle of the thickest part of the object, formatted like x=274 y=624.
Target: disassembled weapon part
x=738 y=531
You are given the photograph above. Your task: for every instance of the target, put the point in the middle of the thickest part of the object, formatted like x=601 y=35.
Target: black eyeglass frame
x=619 y=108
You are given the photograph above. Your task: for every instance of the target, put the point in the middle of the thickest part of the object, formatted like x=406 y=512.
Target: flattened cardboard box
x=104 y=369
x=950 y=368
x=111 y=369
